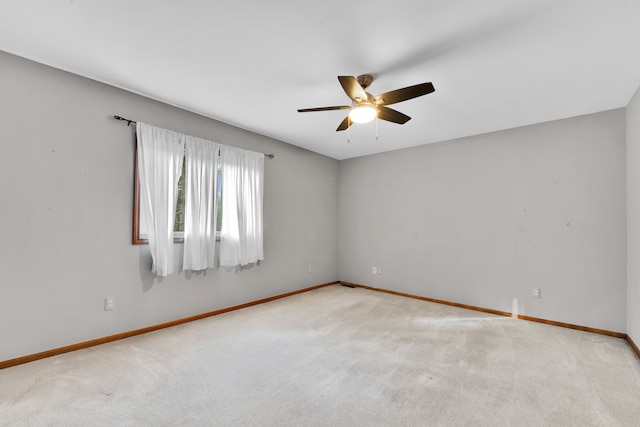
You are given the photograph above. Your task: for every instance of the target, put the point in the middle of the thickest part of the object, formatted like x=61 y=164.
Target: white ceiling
x=495 y=64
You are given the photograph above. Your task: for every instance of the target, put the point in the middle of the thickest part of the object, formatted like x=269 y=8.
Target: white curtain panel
x=201 y=203
x=160 y=154
x=242 y=189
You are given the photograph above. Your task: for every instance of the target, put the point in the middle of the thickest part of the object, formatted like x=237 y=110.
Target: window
x=159 y=168
x=139 y=228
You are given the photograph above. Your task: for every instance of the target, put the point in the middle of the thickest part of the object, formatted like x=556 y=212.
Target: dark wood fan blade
x=391 y=115
x=340 y=107
x=404 y=94
x=352 y=88
x=344 y=124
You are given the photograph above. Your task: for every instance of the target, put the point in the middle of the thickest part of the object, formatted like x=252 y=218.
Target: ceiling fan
x=365 y=107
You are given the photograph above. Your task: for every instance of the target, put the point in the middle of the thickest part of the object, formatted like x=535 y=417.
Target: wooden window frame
x=135 y=237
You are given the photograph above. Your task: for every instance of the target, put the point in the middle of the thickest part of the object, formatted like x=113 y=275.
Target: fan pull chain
x=348 y=129
x=376 y=127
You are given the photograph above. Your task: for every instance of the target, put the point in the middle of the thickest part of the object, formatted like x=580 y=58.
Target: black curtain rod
x=129 y=121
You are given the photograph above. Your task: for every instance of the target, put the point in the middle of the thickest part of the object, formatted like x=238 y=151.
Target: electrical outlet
x=374 y=270
x=109 y=303
x=536 y=292
x=379 y=270
x=310 y=269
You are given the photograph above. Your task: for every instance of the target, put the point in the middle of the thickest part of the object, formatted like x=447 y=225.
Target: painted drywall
x=633 y=218
x=67 y=190
x=483 y=220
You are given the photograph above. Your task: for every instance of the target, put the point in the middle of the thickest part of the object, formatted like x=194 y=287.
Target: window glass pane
x=178 y=223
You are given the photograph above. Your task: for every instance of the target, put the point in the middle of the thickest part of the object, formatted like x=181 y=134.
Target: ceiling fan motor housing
x=365 y=80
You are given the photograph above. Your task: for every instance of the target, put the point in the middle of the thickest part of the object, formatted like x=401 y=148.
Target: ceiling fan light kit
x=366 y=107
x=363 y=113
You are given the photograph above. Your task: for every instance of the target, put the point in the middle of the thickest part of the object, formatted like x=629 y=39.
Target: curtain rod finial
x=129 y=121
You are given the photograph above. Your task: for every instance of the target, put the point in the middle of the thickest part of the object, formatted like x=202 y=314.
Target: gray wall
x=483 y=220
x=633 y=218
x=67 y=191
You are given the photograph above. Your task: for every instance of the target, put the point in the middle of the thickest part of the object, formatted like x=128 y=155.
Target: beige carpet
x=335 y=356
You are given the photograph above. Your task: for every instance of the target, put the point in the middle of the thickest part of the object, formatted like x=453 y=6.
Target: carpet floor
x=335 y=356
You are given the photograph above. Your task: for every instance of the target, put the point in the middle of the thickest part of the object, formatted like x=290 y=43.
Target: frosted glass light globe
x=362 y=113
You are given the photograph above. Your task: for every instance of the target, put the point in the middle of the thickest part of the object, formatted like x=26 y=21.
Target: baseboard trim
x=633 y=346
x=91 y=343
x=502 y=313
x=620 y=335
